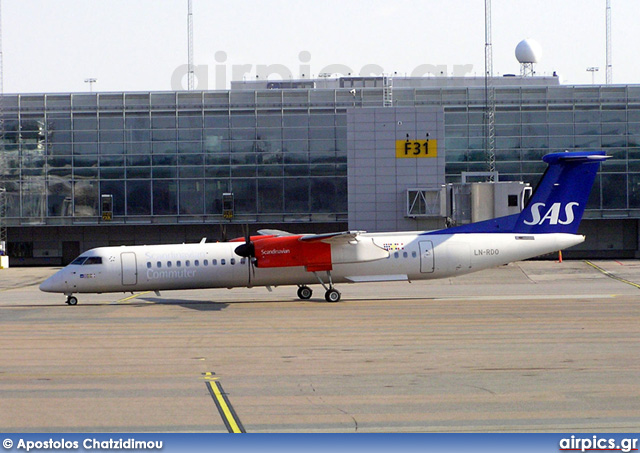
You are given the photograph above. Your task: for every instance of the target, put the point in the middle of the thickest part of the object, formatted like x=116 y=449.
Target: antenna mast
x=490 y=95
x=190 y=75
x=609 y=64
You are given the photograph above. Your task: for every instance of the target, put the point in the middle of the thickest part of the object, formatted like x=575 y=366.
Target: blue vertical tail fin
x=559 y=201
x=557 y=204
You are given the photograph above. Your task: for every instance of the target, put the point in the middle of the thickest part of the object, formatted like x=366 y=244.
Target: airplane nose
x=53 y=284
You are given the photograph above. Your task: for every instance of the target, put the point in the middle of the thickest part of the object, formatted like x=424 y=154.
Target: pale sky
x=140 y=45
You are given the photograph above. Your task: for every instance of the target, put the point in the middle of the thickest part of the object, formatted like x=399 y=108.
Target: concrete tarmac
x=532 y=346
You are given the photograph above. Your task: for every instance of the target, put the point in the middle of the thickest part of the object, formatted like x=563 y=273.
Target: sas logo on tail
x=552 y=215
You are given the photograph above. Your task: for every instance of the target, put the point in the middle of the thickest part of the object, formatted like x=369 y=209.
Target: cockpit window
x=93 y=260
x=79 y=260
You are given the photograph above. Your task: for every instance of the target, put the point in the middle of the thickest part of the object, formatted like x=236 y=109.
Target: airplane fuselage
x=547 y=224
x=409 y=256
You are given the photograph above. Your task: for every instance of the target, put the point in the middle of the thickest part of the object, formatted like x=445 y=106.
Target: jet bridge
x=462 y=203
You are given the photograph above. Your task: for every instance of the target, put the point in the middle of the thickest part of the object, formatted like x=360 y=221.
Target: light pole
x=90 y=81
x=593 y=70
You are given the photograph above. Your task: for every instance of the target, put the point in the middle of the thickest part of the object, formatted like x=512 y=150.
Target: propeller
x=223 y=232
x=248 y=251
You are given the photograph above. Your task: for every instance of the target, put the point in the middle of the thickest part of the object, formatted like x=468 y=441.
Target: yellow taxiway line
x=131 y=297
x=610 y=275
x=229 y=417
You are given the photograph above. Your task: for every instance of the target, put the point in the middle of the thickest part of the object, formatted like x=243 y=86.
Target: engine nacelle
x=289 y=251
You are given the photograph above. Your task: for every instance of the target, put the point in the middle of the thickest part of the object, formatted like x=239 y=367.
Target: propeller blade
x=248 y=251
x=251 y=269
x=223 y=233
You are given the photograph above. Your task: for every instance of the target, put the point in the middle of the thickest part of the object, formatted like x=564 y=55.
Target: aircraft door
x=129 y=268
x=426 y=257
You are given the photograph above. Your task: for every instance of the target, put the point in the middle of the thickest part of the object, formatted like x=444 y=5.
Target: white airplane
x=548 y=223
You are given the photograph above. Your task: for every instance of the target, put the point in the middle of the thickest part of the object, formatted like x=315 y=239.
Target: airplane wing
x=329 y=238
x=276 y=233
x=315 y=251
x=344 y=237
x=347 y=247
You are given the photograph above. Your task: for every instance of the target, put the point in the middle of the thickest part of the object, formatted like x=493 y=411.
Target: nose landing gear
x=71 y=300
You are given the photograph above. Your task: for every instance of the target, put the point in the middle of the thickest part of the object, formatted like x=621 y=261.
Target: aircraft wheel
x=72 y=300
x=304 y=292
x=332 y=295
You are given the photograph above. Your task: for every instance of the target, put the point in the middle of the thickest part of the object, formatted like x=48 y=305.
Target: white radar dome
x=528 y=51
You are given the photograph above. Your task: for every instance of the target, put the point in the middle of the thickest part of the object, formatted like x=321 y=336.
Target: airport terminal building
x=82 y=170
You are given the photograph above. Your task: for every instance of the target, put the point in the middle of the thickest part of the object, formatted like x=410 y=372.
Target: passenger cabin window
x=233 y=261
x=93 y=260
x=196 y=263
x=148 y=264
x=187 y=263
x=168 y=263
x=79 y=260
x=214 y=262
x=223 y=262
x=159 y=264
x=205 y=262
x=178 y=263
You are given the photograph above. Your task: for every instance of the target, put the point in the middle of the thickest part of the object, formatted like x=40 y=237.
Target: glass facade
x=171 y=156
x=168 y=157
x=531 y=122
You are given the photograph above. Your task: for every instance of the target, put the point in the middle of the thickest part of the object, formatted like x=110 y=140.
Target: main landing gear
x=304 y=292
x=331 y=294
x=71 y=300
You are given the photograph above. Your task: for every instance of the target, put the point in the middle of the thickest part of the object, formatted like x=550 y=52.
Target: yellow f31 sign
x=416 y=148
